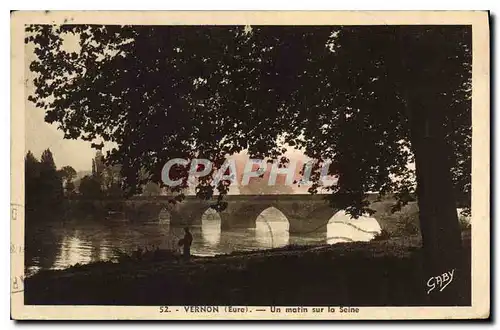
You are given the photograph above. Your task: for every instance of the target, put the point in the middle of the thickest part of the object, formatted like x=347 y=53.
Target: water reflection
x=211 y=227
x=62 y=244
x=73 y=251
x=42 y=246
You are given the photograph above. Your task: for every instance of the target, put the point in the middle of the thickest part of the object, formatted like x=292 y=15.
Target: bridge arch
x=210 y=214
x=272 y=214
x=272 y=228
x=211 y=227
x=342 y=227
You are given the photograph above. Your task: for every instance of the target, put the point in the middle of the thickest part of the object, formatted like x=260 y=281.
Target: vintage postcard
x=250 y=165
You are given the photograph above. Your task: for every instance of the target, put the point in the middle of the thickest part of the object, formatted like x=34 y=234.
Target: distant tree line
x=106 y=181
x=46 y=186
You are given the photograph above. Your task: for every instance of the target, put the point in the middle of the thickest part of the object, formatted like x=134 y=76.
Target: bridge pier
x=240 y=215
x=314 y=220
x=229 y=221
x=306 y=226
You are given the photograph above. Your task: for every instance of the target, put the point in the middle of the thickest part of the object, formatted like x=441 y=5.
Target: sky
x=41 y=135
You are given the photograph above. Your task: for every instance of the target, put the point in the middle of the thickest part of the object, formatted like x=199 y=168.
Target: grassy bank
x=377 y=273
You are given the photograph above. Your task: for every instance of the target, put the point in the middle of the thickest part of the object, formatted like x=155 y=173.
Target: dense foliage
x=339 y=93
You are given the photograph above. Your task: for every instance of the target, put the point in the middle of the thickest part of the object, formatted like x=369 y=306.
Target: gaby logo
x=441 y=281
x=254 y=168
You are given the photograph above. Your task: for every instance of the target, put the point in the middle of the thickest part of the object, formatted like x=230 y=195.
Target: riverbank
x=376 y=273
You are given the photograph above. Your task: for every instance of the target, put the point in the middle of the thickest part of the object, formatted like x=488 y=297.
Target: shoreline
x=376 y=273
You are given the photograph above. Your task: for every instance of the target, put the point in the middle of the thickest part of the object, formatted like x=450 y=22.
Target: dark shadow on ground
x=377 y=273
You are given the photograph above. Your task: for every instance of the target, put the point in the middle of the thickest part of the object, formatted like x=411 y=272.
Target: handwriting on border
x=17 y=284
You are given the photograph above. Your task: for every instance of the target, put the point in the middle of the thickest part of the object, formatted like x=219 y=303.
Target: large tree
x=400 y=94
x=369 y=99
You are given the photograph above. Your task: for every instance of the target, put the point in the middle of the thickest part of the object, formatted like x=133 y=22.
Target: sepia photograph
x=250 y=165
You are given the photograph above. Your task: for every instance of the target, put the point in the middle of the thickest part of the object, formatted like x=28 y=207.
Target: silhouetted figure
x=186 y=243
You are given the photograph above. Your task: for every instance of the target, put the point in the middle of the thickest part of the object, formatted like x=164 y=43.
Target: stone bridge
x=306 y=213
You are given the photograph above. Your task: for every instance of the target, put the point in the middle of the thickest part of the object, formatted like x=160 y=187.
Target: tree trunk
x=441 y=234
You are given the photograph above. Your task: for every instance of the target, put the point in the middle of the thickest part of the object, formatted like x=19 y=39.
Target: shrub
x=383 y=235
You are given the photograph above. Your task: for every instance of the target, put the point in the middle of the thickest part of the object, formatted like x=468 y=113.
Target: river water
x=60 y=244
